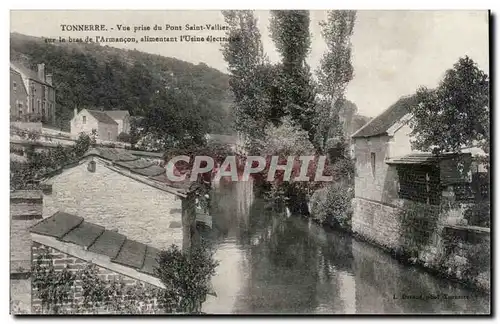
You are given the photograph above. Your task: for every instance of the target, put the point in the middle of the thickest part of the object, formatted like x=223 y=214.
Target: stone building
x=18 y=96
x=116 y=189
x=389 y=172
x=86 y=121
x=40 y=101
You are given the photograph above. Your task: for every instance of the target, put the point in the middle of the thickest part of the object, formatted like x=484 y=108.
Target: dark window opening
x=420 y=184
x=373 y=164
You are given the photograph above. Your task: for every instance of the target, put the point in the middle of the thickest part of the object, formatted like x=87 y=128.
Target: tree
x=176 y=119
x=334 y=73
x=295 y=92
x=456 y=113
x=251 y=75
x=186 y=277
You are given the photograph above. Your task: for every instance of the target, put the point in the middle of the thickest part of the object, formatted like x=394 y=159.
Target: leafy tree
x=289 y=139
x=334 y=73
x=456 y=113
x=251 y=75
x=186 y=277
x=175 y=120
x=295 y=91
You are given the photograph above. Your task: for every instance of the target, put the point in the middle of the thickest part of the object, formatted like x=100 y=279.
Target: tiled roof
x=380 y=124
x=94 y=238
x=117 y=114
x=30 y=74
x=123 y=159
x=102 y=117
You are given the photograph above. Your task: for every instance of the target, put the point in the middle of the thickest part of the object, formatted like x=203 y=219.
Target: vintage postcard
x=249 y=162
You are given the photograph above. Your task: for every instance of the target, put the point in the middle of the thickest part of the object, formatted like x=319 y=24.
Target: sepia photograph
x=250 y=162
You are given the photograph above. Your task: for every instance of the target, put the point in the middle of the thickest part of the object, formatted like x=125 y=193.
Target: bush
x=187 y=278
x=331 y=206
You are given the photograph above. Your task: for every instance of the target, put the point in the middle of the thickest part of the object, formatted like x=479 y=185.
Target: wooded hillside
x=91 y=75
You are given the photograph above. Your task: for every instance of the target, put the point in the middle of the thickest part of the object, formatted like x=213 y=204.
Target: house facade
x=40 y=101
x=388 y=173
x=118 y=190
x=18 y=96
x=122 y=118
x=87 y=120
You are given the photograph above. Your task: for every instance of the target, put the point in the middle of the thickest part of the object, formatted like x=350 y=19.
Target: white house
x=88 y=120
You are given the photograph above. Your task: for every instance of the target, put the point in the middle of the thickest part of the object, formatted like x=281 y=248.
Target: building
x=122 y=118
x=388 y=173
x=67 y=240
x=18 y=96
x=118 y=190
x=87 y=121
x=40 y=101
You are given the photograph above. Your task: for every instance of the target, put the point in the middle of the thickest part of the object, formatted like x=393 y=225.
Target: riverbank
x=272 y=263
x=457 y=254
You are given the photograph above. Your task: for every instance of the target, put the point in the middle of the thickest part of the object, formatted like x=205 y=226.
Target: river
x=275 y=263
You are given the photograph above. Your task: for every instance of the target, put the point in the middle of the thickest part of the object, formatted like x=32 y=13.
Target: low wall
x=35 y=127
x=455 y=251
x=376 y=222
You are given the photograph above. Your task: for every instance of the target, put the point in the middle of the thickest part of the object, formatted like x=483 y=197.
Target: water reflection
x=271 y=263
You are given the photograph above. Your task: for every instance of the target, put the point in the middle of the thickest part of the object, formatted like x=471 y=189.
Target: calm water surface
x=271 y=263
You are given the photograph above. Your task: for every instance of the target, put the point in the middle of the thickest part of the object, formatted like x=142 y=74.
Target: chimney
x=75 y=112
x=49 y=79
x=41 y=71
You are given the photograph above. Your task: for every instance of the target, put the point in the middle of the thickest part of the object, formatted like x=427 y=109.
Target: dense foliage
x=251 y=76
x=296 y=92
x=334 y=74
x=91 y=75
x=456 y=114
x=331 y=205
x=24 y=175
x=186 y=277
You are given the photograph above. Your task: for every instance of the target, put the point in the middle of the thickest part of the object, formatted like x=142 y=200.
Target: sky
x=394 y=52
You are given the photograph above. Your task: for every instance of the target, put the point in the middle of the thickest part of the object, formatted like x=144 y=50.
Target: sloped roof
x=30 y=74
x=125 y=160
x=102 y=117
x=95 y=238
x=117 y=114
x=380 y=124
x=423 y=158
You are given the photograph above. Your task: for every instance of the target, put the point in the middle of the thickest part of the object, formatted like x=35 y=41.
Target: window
x=84 y=119
x=109 y=136
x=372 y=155
x=14 y=86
